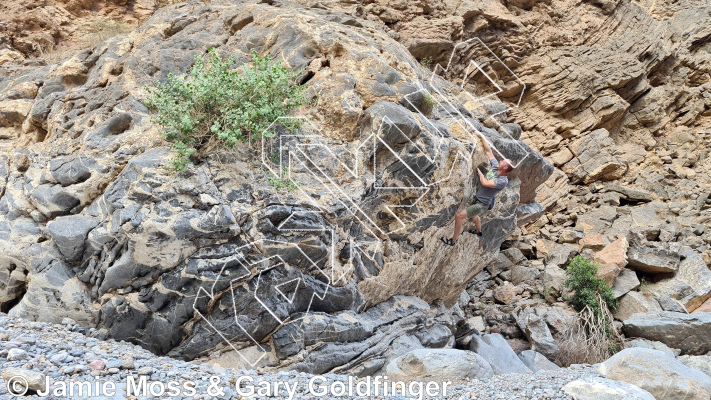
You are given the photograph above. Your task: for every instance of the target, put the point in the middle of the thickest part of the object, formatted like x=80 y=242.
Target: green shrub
x=583 y=280
x=427 y=62
x=284 y=182
x=214 y=102
x=594 y=337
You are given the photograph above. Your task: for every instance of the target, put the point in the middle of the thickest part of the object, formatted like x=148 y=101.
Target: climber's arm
x=485 y=182
x=487 y=149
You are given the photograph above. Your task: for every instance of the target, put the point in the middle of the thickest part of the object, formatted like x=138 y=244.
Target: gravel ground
x=64 y=354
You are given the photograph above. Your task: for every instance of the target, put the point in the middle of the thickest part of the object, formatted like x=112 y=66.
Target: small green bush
x=427 y=62
x=583 y=280
x=284 y=182
x=213 y=101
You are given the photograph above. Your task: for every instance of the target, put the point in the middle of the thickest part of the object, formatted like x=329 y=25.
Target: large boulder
x=445 y=363
x=625 y=282
x=691 y=285
x=657 y=373
x=596 y=388
x=494 y=349
x=536 y=361
x=688 y=332
x=653 y=260
x=611 y=259
x=94 y=227
x=702 y=363
x=540 y=337
x=633 y=303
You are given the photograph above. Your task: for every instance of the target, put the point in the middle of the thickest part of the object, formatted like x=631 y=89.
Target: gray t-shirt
x=486 y=195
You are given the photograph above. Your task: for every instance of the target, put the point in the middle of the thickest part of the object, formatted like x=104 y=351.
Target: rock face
x=595 y=388
x=449 y=363
x=55 y=27
x=687 y=332
x=217 y=260
x=657 y=373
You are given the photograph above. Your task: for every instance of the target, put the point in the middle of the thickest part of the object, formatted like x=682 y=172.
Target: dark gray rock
x=540 y=337
x=669 y=304
x=69 y=233
x=54 y=201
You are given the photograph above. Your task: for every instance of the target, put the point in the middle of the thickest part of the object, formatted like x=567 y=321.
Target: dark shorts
x=478 y=208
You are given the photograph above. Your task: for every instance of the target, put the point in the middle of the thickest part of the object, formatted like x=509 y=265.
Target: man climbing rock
x=495 y=181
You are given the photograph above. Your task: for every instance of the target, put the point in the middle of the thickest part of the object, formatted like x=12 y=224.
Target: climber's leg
x=477 y=223
x=458 y=218
x=473 y=212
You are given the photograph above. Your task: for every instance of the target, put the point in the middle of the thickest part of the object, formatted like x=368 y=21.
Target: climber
x=491 y=184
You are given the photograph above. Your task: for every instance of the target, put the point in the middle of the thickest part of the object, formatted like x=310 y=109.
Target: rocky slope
x=94 y=227
x=616 y=98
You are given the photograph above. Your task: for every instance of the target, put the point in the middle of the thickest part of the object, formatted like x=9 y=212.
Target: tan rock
x=561 y=157
x=594 y=242
x=611 y=259
x=35 y=380
x=10 y=56
x=705 y=307
x=506 y=293
x=424 y=37
x=633 y=303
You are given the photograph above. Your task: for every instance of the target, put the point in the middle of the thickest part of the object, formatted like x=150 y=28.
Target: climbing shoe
x=448 y=242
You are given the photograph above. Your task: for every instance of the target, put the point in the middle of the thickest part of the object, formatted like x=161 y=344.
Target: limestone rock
x=94 y=228
x=506 y=292
x=69 y=233
x=446 y=363
x=611 y=259
x=496 y=351
x=660 y=375
x=593 y=159
x=633 y=303
x=594 y=242
x=688 y=332
x=536 y=361
x=654 y=345
x=669 y=304
x=691 y=285
x=701 y=363
x=625 y=282
x=540 y=337
x=35 y=380
x=651 y=260
x=596 y=388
